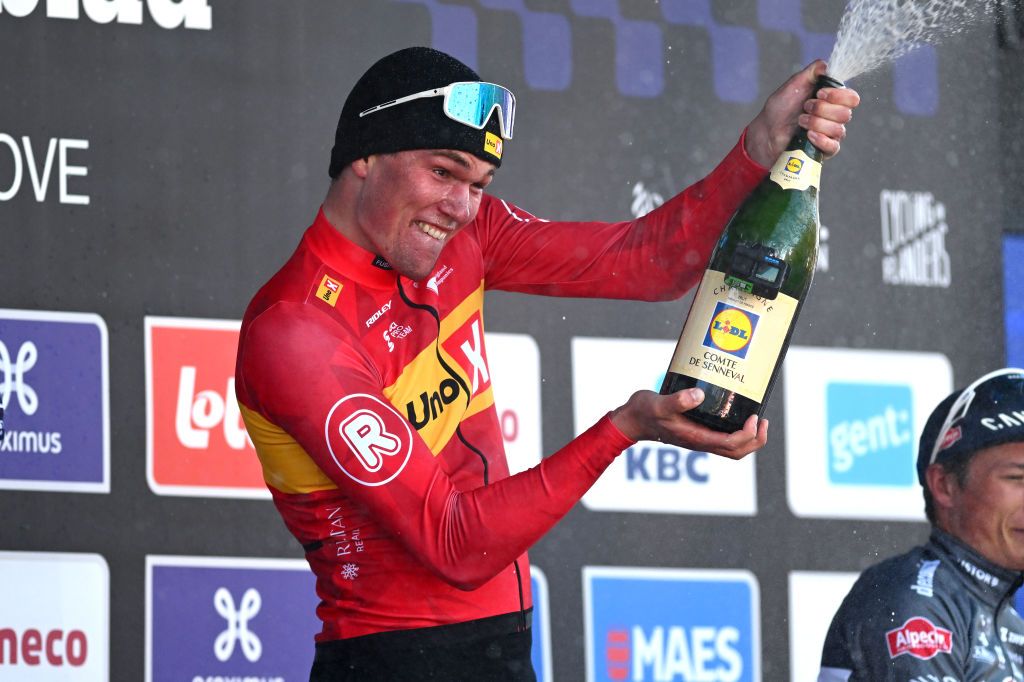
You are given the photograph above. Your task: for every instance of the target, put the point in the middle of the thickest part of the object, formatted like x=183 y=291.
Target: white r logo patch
x=368 y=439
x=364 y=432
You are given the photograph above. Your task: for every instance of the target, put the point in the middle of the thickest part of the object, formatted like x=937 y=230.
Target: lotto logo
x=196 y=441
x=920 y=638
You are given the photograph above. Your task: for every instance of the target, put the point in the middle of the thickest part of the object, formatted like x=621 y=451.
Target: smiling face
x=409 y=204
x=987 y=511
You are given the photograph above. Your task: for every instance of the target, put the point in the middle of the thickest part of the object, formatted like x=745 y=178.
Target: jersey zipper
x=458 y=429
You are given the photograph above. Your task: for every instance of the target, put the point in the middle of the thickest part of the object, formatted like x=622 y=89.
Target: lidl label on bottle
x=733 y=338
x=795 y=170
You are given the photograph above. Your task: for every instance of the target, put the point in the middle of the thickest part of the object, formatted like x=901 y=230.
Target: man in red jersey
x=362 y=374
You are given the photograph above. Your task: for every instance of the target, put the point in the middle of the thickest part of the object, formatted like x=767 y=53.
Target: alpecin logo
x=920 y=638
x=14 y=378
x=237 y=630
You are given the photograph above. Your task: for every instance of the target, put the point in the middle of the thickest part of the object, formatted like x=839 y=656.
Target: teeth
x=432 y=231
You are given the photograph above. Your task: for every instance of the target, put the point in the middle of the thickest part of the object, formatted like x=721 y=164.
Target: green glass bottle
x=743 y=315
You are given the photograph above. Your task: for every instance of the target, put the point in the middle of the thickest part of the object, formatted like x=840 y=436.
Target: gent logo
x=238 y=625
x=368 y=440
x=870 y=434
x=169 y=14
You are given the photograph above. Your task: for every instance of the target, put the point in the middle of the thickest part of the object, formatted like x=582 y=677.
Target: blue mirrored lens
x=473 y=103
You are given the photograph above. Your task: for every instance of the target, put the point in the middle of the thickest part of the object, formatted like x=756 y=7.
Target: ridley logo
x=379 y=314
x=368 y=440
x=920 y=638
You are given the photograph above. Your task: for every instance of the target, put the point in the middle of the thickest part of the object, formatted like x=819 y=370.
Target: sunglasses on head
x=958 y=410
x=468 y=102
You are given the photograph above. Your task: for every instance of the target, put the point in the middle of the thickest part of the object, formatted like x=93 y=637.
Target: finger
x=845 y=97
x=753 y=436
x=829 y=146
x=829 y=111
x=688 y=399
x=811 y=72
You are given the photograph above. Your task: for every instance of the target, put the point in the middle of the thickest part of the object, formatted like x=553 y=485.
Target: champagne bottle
x=743 y=315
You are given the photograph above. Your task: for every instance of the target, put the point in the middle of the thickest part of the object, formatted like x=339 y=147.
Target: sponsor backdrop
x=160 y=158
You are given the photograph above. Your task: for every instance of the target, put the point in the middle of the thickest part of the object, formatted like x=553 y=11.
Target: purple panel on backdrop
x=52 y=386
x=916 y=82
x=232 y=622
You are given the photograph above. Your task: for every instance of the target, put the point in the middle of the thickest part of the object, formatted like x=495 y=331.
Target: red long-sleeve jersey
x=369 y=401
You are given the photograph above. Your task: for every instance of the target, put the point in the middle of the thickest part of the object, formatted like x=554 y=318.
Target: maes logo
x=673 y=653
x=870 y=434
x=636 y=629
x=731 y=330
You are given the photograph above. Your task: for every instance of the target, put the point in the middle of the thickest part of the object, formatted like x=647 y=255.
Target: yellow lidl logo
x=731 y=330
x=794 y=165
x=329 y=290
x=493 y=144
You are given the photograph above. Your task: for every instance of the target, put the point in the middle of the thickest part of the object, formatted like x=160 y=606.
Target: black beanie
x=417 y=124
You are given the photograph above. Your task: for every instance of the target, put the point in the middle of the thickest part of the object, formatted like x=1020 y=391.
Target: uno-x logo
x=14 y=377
x=640 y=58
x=238 y=625
x=368 y=440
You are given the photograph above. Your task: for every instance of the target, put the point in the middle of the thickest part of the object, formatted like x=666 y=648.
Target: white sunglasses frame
x=958 y=410
x=506 y=131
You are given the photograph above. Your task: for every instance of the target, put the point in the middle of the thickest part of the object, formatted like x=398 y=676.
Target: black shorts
x=489 y=650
